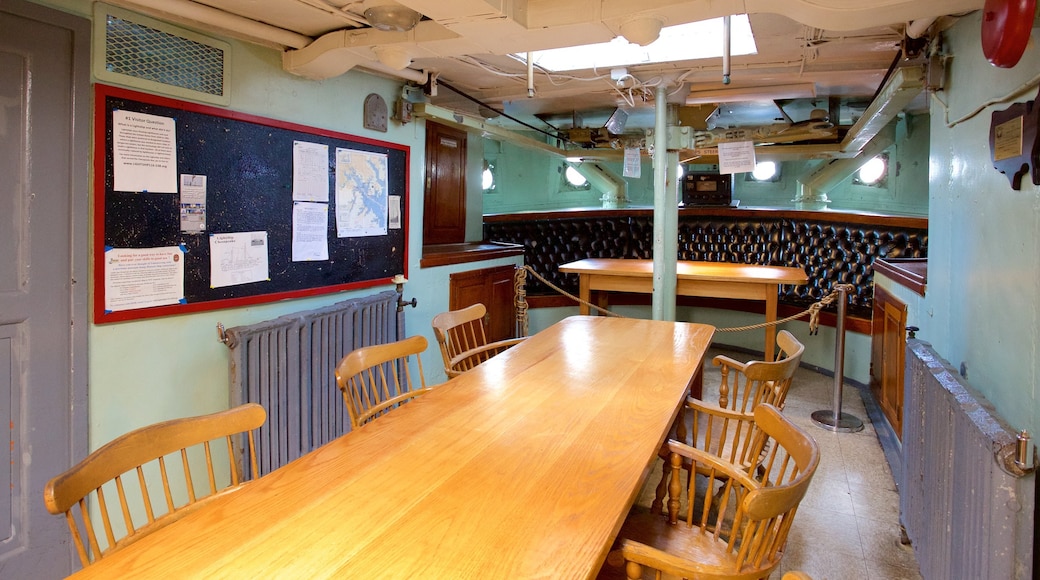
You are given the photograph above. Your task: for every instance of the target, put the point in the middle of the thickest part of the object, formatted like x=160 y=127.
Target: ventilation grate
x=146 y=53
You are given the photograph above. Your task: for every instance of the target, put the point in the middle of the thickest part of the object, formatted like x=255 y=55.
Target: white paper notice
x=361 y=193
x=633 y=163
x=143 y=277
x=736 y=157
x=193 y=204
x=310 y=232
x=144 y=152
x=310 y=171
x=238 y=258
x=395 y=212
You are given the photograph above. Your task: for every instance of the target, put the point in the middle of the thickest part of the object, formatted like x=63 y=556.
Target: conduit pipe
x=725 y=49
x=530 y=77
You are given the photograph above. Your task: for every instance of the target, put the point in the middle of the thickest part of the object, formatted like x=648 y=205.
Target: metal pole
x=834 y=419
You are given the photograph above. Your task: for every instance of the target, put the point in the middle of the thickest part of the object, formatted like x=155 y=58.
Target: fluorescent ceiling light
x=693 y=41
x=752 y=93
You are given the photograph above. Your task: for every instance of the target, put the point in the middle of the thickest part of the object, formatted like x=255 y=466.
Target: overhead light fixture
x=393 y=55
x=390 y=16
x=642 y=31
x=752 y=93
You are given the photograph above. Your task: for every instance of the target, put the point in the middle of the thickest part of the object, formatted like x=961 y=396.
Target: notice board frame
x=354 y=263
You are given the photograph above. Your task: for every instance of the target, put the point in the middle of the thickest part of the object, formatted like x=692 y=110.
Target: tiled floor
x=848 y=524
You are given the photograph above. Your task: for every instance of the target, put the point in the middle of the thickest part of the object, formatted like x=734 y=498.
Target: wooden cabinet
x=888 y=349
x=492 y=287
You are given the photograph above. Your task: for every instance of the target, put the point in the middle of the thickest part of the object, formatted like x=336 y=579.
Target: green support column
x=666 y=214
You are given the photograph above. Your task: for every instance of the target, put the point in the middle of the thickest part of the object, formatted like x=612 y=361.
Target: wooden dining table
x=707 y=279
x=524 y=467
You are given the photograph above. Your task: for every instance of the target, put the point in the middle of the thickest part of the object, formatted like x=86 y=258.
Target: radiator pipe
x=834 y=419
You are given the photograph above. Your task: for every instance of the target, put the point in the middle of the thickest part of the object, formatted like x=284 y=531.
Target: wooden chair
x=737 y=533
x=376 y=379
x=745 y=385
x=141 y=450
x=742 y=388
x=463 y=341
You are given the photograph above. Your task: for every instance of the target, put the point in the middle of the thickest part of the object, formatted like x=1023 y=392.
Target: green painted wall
x=982 y=305
x=532 y=180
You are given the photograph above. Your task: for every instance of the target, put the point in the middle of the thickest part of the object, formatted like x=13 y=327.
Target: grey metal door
x=44 y=163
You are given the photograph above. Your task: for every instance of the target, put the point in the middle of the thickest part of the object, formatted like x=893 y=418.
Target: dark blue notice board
x=248 y=163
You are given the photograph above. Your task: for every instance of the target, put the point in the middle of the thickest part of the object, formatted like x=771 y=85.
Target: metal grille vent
x=146 y=53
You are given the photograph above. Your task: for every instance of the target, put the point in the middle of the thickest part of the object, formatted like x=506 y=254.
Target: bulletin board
x=151 y=232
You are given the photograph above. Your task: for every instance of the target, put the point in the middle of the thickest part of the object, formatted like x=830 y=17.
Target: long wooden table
x=524 y=467
x=708 y=279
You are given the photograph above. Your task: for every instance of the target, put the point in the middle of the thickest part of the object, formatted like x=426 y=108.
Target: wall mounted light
x=390 y=16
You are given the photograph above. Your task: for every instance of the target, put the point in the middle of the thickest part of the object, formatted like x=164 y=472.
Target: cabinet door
x=888 y=351
x=493 y=287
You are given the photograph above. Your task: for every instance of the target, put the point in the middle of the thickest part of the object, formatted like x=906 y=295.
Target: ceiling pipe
x=200 y=15
x=918 y=28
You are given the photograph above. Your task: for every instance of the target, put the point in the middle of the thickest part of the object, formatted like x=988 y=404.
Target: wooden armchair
x=376 y=379
x=148 y=446
x=463 y=341
x=739 y=532
x=743 y=387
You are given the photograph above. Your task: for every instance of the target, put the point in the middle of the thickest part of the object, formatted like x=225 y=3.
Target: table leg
x=771 y=299
x=584 y=293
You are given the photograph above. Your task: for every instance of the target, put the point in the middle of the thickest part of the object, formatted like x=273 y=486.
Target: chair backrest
x=747 y=519
x=745 y=385
x=142 y=450
x=463 y=340
x=375 y=379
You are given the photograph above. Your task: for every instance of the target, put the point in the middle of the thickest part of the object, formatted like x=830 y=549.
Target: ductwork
x=613 y=187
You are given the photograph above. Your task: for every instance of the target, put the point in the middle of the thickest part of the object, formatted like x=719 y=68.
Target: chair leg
x=657 y=505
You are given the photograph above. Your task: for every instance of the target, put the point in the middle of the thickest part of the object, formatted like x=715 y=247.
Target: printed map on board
x=361 y=193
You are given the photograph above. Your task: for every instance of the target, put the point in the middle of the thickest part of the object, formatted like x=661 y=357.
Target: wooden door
x=492 y=287
x=444 y=199
x=888 y=352
x=44 y=153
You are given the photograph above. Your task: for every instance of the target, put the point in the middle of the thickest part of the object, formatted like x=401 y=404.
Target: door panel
x=444 y=200
x=44 y=152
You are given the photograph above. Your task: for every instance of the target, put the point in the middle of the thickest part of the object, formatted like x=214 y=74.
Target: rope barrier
x=813 y=310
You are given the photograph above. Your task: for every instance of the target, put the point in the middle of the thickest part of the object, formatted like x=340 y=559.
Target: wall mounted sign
x=375 y=113
x=1013 y=142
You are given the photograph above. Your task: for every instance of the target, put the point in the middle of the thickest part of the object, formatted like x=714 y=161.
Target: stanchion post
x=833 y=419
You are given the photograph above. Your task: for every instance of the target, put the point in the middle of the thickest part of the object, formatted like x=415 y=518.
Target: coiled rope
x=813 y=310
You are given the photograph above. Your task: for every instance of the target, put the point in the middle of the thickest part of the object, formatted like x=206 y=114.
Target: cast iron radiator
x=288 y=365
x=966 y=505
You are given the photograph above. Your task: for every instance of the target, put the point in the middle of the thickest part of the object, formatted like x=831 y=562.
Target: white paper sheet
x=193 y=203
x=310 y=233
x=633 y=162
x=144 y=152
x=362 y=193
x=736 y=157
x=237 y=258
x=143 y=277
x=310 y=171
x=395 y=212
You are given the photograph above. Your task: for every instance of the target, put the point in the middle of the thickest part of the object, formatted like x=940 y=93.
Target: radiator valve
x=1024 y=452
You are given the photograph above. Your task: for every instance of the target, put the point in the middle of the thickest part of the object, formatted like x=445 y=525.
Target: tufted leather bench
x=831 y=247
